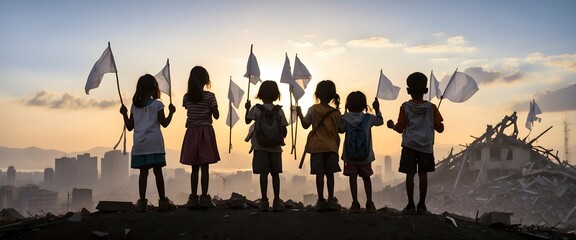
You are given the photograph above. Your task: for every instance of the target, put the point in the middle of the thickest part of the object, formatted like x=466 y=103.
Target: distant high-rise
x=48 y=178
x=388 y=167
x=65 y=173
x=36 y=201
x=180 y=173
x=114 y=167
x=82 y=198
x=86 y=171
x=11 y=176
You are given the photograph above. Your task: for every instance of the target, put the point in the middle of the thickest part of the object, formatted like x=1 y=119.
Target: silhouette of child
x=199 y=147
x=417 y=121
x=355 y=166
x=267 y=159
x=323 y=141
x=146 y=116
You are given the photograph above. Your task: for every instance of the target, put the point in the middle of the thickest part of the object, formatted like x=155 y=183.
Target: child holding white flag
x=417 y=121
x=199 y=147
x=146 y=116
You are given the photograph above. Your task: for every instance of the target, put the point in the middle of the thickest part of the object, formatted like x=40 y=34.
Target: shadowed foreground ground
x=252 y=224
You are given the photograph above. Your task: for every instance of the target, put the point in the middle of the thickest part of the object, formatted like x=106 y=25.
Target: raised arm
x=128 y=121
x=165 y=121
x=246 y=118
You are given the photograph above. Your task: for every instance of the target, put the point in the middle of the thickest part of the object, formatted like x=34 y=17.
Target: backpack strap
x=312 y=134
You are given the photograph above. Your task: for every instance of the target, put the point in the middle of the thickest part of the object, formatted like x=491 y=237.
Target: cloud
x=484 y=76
x=559 y=100
x=373 y=42
x=564 y=61
x=65 y=101
x=455 y=44
x=300 y=44
x=328 y=48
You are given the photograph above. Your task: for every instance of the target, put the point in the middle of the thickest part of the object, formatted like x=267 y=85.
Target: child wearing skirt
x=199 y=147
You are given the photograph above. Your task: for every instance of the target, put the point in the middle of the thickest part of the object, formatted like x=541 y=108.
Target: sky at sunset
x=515 y=50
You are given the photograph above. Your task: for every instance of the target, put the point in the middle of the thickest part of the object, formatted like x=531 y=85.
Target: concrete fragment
x=495 y=217
x=10 y=214
x=100 y=234
x=77 y=217
x=114 y=206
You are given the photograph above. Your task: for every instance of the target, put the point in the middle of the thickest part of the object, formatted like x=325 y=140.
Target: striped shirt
x=200 y=113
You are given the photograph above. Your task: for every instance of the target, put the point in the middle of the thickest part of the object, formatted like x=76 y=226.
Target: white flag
x=104 y=65
x=163 y=79
x=460 y=87
x=534 y=110
x=386 y=90
x=232 y=117
x=287 y=77
x=433 y=89
x=301 y=74
x=252 y=69
x=235 y=93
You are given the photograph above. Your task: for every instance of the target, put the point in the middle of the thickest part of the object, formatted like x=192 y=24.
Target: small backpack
x=268 y=128
x=356 y=142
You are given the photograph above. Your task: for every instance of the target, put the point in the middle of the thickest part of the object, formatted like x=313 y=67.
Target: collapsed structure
x=498 y=172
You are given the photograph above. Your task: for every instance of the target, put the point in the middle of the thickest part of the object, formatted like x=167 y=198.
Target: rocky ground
x=252 y=224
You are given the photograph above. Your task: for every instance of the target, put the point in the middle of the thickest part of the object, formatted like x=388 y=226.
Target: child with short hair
x=358 y=153
x=199 y=147
x=146 y=116
x=267 y=143
x=417 y=121
x=323 y=141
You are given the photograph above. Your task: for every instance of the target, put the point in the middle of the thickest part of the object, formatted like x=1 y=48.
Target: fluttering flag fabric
x=252 y=69
x=286 y=77
x=534 y=110
x=433 y=89
x=301 y=74
x=232 y=117
x=235 y=94
x=386 y=90
x=105 y=64
x=460 y=87
x=163 y=79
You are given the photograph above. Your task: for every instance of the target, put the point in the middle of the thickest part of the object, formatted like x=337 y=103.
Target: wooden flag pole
x=295 y=131
x=230 y=124
x=378 y=88
x=291 y=87
x=170 y=83
x=447 y=85
x=248 y=93
x=116 y=72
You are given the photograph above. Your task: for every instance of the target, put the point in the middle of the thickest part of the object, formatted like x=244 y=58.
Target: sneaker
x=409 y=210
x=277 y=205
x=141 y=205
x=192 y=202
x=355 y=208
x=264 y=205
x=165 y=204
x=206 y=202
x=320 y=204
x=422 y=210
x=370 y=208
x=332 y=204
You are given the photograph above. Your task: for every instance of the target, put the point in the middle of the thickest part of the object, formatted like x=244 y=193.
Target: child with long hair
x=267 y=141
x=199 y=147
x=146 y=116
x=358 y=153
x=324 y=141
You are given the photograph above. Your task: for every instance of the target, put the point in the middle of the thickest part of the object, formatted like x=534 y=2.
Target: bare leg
x=320 y=185
x=142 y=182
x=264 y=185
x=204 y=179
x=159 y=182
x=330 y=185
x=276 y=184
x=194 y=179
x=354 y=187
x=410 y=188
x=423 y=177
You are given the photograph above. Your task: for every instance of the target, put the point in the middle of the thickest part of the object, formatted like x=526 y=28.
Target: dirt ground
x=252 y=224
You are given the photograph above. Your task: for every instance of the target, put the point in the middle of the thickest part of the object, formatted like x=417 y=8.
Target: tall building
x=7 y=197
x=48 y=178
x=82 y=198
x=65 y=173
x=388 y=173
x=114 y=167
x=36 y=201
x=86 y=171
x=11 y=176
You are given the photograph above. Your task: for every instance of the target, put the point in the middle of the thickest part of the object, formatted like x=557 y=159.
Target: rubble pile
x=498 y=172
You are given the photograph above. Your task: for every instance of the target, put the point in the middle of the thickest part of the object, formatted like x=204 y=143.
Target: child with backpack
x=417 y=121
x=358 y=153
x=146 y=117
x=267 y=139
x=199 y=148
x=323 y=142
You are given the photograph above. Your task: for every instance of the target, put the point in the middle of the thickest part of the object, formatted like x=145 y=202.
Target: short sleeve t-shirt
x=254 y=114
x=199 y=113
x=147 y=135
